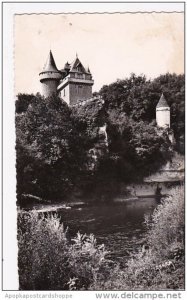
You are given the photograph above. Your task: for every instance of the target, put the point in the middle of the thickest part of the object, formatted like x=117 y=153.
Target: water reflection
x=120 y=227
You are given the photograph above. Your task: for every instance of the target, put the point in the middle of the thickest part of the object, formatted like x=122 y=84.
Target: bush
x=159 y=264
x=48 y=260
x=166 y=226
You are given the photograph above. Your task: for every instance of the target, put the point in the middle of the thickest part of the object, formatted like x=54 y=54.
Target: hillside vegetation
x=62 y=151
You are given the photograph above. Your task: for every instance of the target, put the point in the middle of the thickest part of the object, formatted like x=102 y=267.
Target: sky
x=112 y=45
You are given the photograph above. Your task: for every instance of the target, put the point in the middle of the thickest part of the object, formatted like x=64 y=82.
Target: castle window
x=64 y=92
x=79 y=76
x=79 y=88
x=79 y=68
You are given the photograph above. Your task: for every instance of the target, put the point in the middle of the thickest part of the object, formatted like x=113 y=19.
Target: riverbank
x=41 y=208
x=133 y=193
x=49 y=259
x=159 y=263
x=156 y=185
x=57 y=207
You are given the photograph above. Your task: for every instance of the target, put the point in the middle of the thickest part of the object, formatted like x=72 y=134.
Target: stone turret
x=50 y=77
x=163 y=113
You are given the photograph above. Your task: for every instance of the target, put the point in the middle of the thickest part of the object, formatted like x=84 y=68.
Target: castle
x=74 y=83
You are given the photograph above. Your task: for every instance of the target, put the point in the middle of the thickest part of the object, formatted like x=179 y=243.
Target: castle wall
x=49 y=87
x=79 y=92
x=163 y=117
x=76 y=92
x=65 y=94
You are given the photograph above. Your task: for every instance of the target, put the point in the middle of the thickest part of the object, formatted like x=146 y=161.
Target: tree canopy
x=50 y=151
x=95 y=146
x=137 y=98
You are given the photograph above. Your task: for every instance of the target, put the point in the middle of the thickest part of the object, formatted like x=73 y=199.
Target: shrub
x=166 y=226
x=160 y=263
x=48 y=260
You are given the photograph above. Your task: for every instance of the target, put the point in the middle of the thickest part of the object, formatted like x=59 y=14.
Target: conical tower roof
x=162 y=102
x=50 y=65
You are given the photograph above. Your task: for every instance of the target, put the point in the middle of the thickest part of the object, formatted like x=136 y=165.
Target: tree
x=61 y=149
x=137 y=97
x=48 y=152
x=136 y=148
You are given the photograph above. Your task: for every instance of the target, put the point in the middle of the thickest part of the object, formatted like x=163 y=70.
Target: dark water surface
x=119 y=226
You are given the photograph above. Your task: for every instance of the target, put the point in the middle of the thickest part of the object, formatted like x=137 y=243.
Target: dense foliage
x=49 y=260
x=92 y=148
x=50 y=151
x=137 y=97
x=89 y=150
x=133 y=149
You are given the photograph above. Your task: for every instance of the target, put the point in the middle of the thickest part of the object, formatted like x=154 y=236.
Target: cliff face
x=100 y=147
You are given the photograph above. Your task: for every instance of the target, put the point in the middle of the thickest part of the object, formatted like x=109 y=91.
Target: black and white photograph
x=99 y=118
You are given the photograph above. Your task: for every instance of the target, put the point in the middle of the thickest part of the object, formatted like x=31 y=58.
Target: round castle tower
x=49 y=77
x=163 y=113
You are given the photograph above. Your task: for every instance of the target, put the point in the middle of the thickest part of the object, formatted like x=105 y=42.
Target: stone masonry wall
x=163 y=117
x=79 y=92
x=49 y=88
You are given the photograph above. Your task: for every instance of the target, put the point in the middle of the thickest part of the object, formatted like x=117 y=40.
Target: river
x=119 y=226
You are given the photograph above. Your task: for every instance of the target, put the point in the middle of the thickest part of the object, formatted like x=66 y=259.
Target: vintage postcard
x=94 y=150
